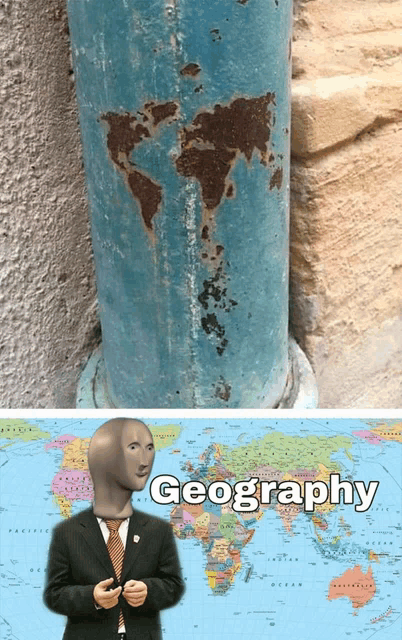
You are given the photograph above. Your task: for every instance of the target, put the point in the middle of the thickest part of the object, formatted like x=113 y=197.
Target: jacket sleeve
x=61 y=595
x=166 y=587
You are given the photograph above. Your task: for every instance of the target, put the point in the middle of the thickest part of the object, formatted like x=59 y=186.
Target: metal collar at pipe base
x=300 y=391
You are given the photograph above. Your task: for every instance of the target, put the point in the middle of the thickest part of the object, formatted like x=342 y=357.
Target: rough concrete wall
x=346 y=226
x=48 y=308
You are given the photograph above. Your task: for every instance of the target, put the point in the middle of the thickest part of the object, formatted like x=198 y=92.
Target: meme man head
x=120 y=458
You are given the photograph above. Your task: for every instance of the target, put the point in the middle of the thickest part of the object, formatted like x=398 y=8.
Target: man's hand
x=135 y=592
x=103 y=597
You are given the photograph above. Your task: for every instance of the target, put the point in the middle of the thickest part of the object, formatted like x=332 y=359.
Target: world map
x=277 y=572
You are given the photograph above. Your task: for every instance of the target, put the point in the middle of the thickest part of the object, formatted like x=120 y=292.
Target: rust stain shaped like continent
x=243 y=125
x=210 y=145
x=124 y=134
x=211 y=168
x=148 y=193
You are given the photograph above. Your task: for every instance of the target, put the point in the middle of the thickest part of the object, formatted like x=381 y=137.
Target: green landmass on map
x=164 y=436
x=285 y=453
x=20 y=430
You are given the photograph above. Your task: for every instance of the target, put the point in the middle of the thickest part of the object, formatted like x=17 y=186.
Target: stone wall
x=346 y=220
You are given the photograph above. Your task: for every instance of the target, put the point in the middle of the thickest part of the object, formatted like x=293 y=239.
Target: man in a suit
x=111 y=569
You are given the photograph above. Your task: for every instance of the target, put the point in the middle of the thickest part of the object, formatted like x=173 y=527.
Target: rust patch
x=214 y=141
x=210 y=324
x=192 y=69
x=125 y=132
x=211 y=167
x=276 y=179
x=223 y=389
x=162 y=111
x=242 y=126
x=222 y=347
x=242 y=1
x=148 y=193
x=215 y=35
x=213 y=289
x=214 y=297
x=230 y=191
x=198 y=89
x=210 y=147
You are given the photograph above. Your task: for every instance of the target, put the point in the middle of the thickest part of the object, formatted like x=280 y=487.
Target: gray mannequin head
x=120 y=459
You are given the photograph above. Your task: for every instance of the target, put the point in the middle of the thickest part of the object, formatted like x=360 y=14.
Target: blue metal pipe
x=184 y=111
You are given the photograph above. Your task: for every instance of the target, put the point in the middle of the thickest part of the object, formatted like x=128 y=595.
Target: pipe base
x=300 y=391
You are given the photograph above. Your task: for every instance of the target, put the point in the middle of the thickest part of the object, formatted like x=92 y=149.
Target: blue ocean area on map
x=277 y=573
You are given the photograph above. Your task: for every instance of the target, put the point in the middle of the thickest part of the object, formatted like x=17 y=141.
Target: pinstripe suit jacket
x=79 y=559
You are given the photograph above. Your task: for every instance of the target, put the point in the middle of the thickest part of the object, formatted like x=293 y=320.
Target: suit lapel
x=90 y=529
x=135 y=541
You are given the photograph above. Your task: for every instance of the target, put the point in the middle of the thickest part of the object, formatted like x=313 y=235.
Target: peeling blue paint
x=193 y=305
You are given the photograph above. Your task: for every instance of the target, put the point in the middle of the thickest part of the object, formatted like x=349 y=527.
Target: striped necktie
x=115 y=548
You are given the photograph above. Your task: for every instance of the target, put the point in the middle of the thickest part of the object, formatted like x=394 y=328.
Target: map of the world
x=278 y=572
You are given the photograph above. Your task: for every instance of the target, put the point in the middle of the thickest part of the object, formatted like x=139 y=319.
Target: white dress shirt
x=123 y=531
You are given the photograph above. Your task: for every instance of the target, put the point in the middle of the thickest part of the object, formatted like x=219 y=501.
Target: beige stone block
x=346 y=269
x=358 y=54
x=329 y=112
x=325 y=19
x=365 y=375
